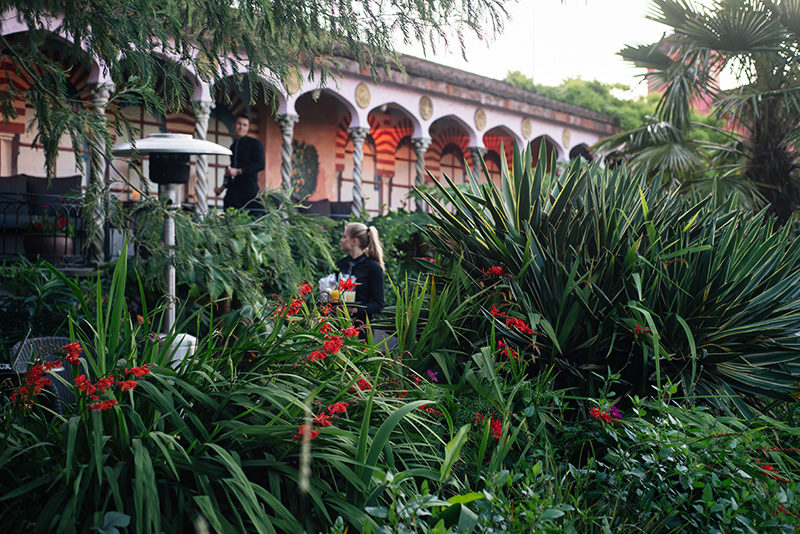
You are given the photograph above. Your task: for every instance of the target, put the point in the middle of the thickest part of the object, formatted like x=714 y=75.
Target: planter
x=49 y=247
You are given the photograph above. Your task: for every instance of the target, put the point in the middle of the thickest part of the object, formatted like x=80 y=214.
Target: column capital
x=421 y=144
x=287 y=121
x=202 y=108
x=359 y=134
x=478 y=150
x=101 y=94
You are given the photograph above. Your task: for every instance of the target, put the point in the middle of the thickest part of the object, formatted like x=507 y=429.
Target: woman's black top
x=369 y=280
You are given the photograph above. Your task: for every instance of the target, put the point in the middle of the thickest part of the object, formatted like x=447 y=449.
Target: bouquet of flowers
x=336 y=287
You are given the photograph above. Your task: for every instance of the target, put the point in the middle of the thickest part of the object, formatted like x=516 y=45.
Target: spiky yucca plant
x=621 y=274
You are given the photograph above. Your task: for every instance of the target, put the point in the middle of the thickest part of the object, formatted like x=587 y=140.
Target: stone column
x=420 y=145
x=476 y=153
x=286 y=123
x=100 y=96
x=202 y=112
x=358 y=135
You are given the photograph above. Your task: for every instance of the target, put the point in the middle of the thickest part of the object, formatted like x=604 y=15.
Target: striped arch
x=388 y=129
x=497 y=137
x=449 y=134
x=342 y=135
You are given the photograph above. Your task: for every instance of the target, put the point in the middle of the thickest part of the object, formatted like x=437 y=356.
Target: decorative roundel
x=293 y=81
x=480 y=119
x=362 y=95
x=527 y=128
x=566 y=136
x=425 y=108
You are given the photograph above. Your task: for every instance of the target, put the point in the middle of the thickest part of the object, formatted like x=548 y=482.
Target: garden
x=587 y=351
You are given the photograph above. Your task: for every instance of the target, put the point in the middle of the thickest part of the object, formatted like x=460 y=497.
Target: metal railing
x=50 y=227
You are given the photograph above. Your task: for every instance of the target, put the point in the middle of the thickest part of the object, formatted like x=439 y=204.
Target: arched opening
x=550 y=147
x=500 y=140
x=391 y=126
x=581 y=151
x=450 y=142
x=18 y=152
x=451 y=163
x=405 y=174
x=322 y=134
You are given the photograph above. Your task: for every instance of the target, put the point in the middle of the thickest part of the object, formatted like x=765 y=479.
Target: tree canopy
x=593 y=95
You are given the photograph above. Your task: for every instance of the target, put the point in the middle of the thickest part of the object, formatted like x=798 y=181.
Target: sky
x=552 y=40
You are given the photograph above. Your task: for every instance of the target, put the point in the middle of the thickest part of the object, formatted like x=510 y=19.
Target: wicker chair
x=45 y=349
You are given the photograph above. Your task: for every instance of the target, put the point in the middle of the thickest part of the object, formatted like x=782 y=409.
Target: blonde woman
x=364 y=261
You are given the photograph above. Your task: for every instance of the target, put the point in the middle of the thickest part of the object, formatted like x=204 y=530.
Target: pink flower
x=432 y=376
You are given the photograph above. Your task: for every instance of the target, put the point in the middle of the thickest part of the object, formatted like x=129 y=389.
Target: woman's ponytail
x=368 y=240
x=375 y=250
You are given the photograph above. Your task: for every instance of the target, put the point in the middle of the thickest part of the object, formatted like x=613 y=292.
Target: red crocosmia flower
x=139 y=371
x=505 y=349
x=103 y=405
x=305 y=289
x=84 y=385
x=104 y=383
x=494 y=270
x=639 y=330
x=496 y=428
x=53 y=364
x=333 y=344
x=73 y=351
x=126 y=385
x=771 y=472
x=346 y=285
x=38 y=225
x=478 y=419
x=519 y=324
x=325 y=310
x=601 y=416
x=362 y=384
x=317 y=355
x=497 y=313
x=325 y=327
x=350 y=331
x=61 y=222
x=322 y=420
x=337 y=407
x=35 y=381
x=305 y=431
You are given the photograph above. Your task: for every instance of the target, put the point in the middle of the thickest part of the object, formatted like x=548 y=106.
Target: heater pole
x=171 y=192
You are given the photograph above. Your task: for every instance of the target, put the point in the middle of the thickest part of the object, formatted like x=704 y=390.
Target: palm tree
x=759 y=40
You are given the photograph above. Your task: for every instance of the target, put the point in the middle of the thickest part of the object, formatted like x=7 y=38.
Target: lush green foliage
x=33 y=300
x=616 y=273
x=234 y=255
x=466 y=421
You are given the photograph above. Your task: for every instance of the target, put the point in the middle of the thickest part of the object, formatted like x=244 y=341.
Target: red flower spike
x=322 y=420
x=350 y=331
x=346 y=285
x=316 y=356
x=337 y=407
x=496 y=428
x=126 y=385
x=103 y=405
x=305 y=289
x=333 y=344
x=302 y=430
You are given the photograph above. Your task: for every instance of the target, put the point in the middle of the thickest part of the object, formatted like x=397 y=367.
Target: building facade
x=351 y=145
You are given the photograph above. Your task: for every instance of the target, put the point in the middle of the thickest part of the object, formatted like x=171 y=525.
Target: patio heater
x=169 y=166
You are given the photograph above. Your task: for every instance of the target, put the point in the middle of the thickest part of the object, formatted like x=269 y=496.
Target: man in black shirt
x=241 y=178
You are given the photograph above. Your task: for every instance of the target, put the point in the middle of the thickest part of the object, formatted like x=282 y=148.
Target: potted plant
x=49 y=235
